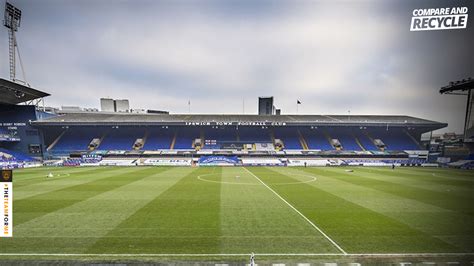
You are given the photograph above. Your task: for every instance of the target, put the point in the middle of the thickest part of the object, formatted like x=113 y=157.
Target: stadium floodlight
x=455 y=87
x=463 y=87
x=12 y=19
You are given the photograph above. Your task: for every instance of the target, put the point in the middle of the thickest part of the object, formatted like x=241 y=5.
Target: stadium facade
x=85 y=132
x=193 y=139
x=29 y=135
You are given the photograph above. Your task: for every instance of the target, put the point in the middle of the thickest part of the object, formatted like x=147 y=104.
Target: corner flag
x=298 y=102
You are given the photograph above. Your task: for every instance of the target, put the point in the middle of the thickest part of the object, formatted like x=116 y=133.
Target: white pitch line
x=410 y=254
x=304 y=217
x=237 y=254
x=118 y=255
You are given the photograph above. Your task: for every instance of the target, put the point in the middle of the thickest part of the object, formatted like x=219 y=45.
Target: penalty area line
x=302 y=215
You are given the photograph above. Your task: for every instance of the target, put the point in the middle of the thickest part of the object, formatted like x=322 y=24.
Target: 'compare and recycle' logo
x=439 y=18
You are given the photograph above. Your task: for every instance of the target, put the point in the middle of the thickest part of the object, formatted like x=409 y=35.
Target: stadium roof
x=14 y=93
x=237 y=120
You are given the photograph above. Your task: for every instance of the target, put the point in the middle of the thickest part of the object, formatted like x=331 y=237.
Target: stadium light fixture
x=12 y=21
x=459 y=87
x=462 y=87
x=12 y=17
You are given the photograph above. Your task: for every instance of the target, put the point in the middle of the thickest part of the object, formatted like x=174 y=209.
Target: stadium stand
x=365 y=140
x=246 y=136
x=117 y=139
x=163 y=139
x=396 y=139
x=14 y=156
x=76 y=139
x=215 y=136
x=159 y=138
x=185 y=138
x=290 y=138
x=346 y=138
x=316 y=140
x=254 y=135
x=13 y=159
x=79 y=139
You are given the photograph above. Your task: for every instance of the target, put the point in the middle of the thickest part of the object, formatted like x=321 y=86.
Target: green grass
x=212 y=210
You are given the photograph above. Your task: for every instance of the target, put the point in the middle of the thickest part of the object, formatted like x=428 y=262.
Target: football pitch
x=230 y=212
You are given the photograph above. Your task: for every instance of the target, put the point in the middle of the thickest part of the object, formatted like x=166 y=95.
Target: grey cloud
x=335 y=56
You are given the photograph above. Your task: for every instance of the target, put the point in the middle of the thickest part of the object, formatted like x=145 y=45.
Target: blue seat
x=396 y=140
x=290 y=138
x=316 y=140
x=159 y=139
x=185 y=138
x=75 y=140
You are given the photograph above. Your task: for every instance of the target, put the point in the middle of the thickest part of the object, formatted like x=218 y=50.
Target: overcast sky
x=334 y=56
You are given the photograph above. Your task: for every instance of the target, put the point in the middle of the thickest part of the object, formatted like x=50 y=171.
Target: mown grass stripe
x=418 y=181
x=448 y=173
x=252 y=218
x=444 y=200
x=76 y=228
x=51 y=185
x=451 y=227
x=347 y=222
x=190 y=208
x=338 y=247
x=87 y=221
x=22 y=175
x=36 y=206
x=30 y=170
x=418 y=176
x=41 y=176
